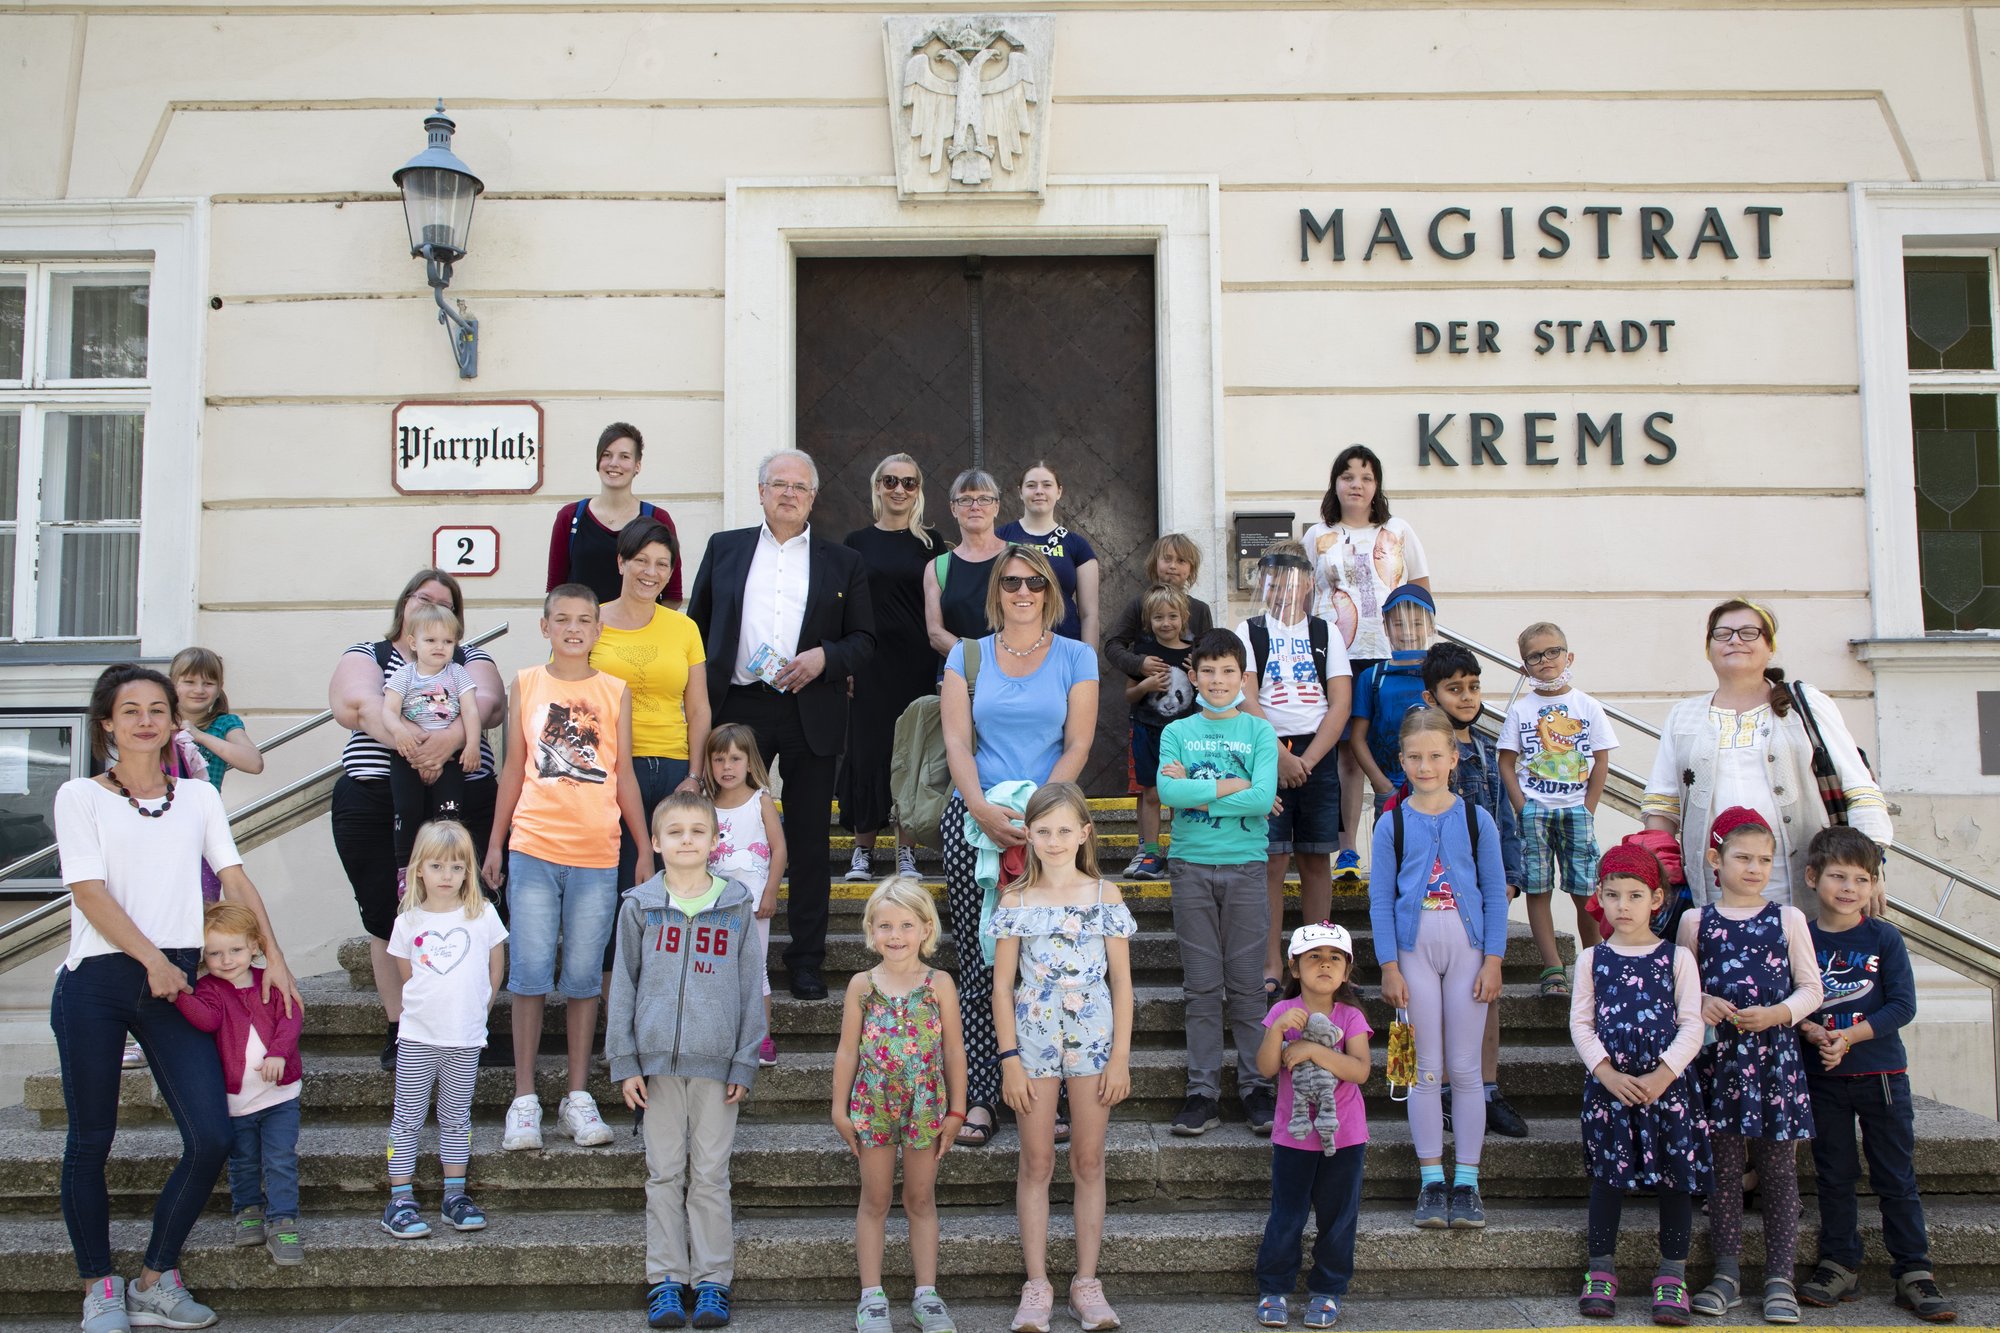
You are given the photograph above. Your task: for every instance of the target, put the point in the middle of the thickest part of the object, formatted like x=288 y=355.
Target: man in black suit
x=781 y=593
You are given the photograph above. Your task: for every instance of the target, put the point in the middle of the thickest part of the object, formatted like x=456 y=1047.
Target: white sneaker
x=578 y=1118
x=1135 y=868
x=860 y=866
x=906 y=862
x=524 y=1123
x=135 y=1058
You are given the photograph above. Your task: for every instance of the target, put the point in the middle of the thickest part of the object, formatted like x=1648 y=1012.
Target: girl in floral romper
x=899 y=1079
x=1062 y=1008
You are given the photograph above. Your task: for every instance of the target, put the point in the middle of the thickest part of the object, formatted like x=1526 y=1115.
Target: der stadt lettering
x=1649 y=232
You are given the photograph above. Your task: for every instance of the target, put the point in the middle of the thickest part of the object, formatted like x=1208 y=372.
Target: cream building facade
x=1729 y=191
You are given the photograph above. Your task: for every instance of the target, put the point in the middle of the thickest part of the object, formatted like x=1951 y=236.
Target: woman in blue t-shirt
x=1071 y=557
x=1029 y=718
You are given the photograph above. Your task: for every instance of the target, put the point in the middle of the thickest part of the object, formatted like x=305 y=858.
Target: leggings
x=1450 y=1027
x=975 y=975
x=1777 y=1179
x=451 y=1071
x=1607 y=1202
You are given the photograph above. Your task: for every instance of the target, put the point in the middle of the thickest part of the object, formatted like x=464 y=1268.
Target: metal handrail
x=291 y=733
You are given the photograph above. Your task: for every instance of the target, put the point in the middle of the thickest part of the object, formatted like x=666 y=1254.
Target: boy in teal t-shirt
x=1219 y=772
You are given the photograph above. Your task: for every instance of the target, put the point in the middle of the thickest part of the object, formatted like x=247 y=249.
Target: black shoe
x=806 y=984
x=389 y=1049
x=1261 y=1106
x=1198 y=1115
x=1503 y=1119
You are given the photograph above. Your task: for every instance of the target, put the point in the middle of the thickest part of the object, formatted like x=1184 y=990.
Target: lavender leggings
x=1449 y=1025
x=1778 y=1186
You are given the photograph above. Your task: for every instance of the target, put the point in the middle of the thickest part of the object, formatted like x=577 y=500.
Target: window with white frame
x=75 y=398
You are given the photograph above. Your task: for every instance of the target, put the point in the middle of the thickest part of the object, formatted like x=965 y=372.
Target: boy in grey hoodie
x=686 y=1018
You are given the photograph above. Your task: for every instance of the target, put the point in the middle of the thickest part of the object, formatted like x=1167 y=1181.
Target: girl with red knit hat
x=1759 y=979
x=1636 y=1020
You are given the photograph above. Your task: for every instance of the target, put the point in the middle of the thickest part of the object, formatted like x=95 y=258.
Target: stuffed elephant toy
x=1313 y=1087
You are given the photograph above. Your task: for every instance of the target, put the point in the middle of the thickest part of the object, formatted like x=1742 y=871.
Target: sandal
x=971 y=1134
x=1062 y=1125
x=1555 y=982
x=1273 y=988
x=1781 y=1302
x=1722 y=1294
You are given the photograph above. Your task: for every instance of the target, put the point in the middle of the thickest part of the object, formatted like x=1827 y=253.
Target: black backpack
x=1471 y=832
x=1260 y=644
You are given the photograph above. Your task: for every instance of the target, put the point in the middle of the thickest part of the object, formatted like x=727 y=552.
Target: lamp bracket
x=461 y=328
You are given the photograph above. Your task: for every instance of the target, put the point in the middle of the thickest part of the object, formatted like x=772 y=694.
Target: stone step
x=786 y=1167
x=596 y=1259
x=343 y=1020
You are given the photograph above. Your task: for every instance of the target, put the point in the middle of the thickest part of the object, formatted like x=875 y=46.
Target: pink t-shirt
x=1346 y=1098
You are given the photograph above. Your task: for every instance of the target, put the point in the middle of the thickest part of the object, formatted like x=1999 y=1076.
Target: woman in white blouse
x=1745 y=744
x=132 y=841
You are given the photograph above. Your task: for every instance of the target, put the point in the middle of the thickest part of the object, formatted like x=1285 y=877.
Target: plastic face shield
x=1284 y=587
x=1410 y=626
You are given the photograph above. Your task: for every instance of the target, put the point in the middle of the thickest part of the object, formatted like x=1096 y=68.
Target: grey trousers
x=1222 y=917
x=689 y=1131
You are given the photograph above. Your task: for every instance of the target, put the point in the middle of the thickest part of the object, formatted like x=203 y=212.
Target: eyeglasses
x=905 y=483
x=800 y=488
x=1741 y=633
x=1546 y=655
x=1016 y=582
x=974 y=501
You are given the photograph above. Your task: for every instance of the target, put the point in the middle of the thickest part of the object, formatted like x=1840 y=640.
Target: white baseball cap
x=1323 y=934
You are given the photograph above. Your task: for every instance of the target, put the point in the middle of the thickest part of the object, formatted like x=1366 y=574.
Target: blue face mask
x=1237 y=702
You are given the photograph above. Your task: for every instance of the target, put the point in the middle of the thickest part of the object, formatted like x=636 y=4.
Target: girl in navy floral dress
x=1636 y=1021
x=1759 y=978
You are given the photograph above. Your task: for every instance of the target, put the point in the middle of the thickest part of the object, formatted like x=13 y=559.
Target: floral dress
x=1755 y=1082
x=1062 y=1004
x=899 y=1094
x=1663 y=1145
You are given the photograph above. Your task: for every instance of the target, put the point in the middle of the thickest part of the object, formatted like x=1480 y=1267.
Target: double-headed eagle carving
x=981 y=111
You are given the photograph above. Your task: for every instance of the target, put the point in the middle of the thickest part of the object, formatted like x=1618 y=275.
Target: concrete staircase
x=1186 y=1215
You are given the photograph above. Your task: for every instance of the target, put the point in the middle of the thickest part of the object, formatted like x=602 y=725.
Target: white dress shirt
x=774 y=598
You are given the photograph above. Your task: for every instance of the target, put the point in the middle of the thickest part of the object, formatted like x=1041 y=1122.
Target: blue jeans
x=1309 y=817
x=553 y=906
x=657 y=778
x=1328 y=1188
x=1879 y=1106
x=264 y=1160
x=93 y=1007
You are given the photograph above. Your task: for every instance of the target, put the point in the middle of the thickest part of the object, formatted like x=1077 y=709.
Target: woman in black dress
x=955 y=584
x=896 y=549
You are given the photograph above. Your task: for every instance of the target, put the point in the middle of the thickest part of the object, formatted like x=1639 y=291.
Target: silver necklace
x=1031 y=649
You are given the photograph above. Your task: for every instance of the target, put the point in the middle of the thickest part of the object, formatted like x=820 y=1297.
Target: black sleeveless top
x=962 y=598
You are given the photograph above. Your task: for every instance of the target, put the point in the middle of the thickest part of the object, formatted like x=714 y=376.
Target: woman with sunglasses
x=895 y=551
x=1745 y=744
x=1031 y=720
x=955 y=584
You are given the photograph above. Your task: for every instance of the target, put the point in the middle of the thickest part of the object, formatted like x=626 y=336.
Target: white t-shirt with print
x=1555 y=737
x=1289 y=691
x=1354 y=571
x=451 y=981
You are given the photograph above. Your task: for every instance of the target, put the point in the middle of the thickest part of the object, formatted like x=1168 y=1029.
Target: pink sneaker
x=1038 y=1303
x=767 y=1053
x=1087 y=1304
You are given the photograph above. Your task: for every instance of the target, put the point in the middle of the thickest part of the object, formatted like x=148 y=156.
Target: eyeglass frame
x=799 y=488
x=1738 y=633
x=1545 y=655
x=1017 y=582
x=974 y=501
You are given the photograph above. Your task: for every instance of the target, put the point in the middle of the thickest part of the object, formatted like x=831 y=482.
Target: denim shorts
x=1310 y=818
x=1145 y=754
x=547 y=903
x=1558 y=848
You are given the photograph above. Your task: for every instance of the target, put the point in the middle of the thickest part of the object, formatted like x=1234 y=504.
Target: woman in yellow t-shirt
x=654 y=650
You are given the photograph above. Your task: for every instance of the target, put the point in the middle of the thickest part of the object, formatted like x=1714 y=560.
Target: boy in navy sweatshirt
x=1860 y=1078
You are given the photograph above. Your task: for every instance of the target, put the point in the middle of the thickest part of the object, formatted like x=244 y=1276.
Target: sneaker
x=1272 y=1312
x=524 y=1123
x=1347 y=866
x=1198 y=1115
x=1135 y=866
x=401 y=1220
x=104 y=1307
x=860 y=867
x=1670 y=1300
x=929 y=1310
x=1600 y=1295
x=578 y=1118
x=1503 y=1119
x=906 y=862
x=1261 y=1106
x=1087 y=1304
x=1433 y=1206
x=767 y=1053
x=135 y=1058
x=283 y=1243
x=1830 y=1284
x=1917 y=1290
x=1322 y=1311
x=249 y=1228
x=167 y=1304
x=463 y=1213
x=711 y=1305
x=388 y=1056
x=1147 y=865
x=1038 y=1304
x=1468 y=1210
x=666 y=1305
x=872 y=1314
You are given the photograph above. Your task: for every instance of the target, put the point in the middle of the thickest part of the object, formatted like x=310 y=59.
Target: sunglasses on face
x=1016 y=582
x=906 y=483
x=1744 y=633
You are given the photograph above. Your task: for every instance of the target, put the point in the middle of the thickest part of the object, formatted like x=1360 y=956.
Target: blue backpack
x=1399 y=687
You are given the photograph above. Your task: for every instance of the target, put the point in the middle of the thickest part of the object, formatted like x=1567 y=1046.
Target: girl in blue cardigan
x=1437 y=897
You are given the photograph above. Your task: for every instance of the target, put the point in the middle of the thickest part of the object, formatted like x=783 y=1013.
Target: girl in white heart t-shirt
x=446 y=943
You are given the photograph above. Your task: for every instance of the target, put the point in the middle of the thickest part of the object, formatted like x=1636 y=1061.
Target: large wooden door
x=995 y=362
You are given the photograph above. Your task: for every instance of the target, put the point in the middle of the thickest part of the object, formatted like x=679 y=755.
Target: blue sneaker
x=463 y=1213
x=666 y=1305
x=1347 y=866
x=1322 y=1311
x=401 y=1220
x=1272 y=1312
x=711 y=1305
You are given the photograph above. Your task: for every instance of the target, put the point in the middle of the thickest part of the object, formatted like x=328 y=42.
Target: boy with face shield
x=1304 y=689
x=1388 y=690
